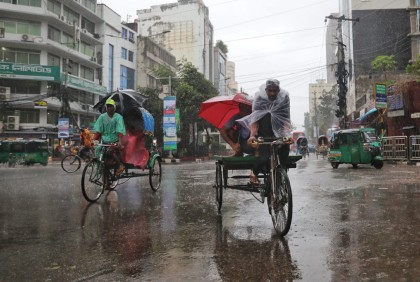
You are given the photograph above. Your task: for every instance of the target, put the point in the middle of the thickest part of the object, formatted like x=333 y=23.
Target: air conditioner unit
x=27 y=38
x=4 y=93
x=13 y=119
x=70 y=23
x=85 y=107
x=93 y=59
x=84 y=30
x=12 y=126
x=63 y=18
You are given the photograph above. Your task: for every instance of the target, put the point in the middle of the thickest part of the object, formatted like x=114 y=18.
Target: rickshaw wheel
x=155 y=175
x=280 y=202
x=219 y=187
x=92 y=186
x=354 y=165
x=334 y=164
x=378 y=164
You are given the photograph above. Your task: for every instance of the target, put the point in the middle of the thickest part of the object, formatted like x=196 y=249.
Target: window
x=131 y=36
x=29 y=116
x=70 y=67
x=33 y=3
x=52 y=117
x=21 y=27
x=131 y=56
x=88 y=25
x=126 y=78
x=110 y=67
x=90 y=4
x=53 y=60
x=69 y=42
x=20 y=56
x=71 y=15
x=54 y=34
x=124 y=33
x=54 y=7
x=87 y=49
x=87 y=73
x=22 y=86
x=124 y=53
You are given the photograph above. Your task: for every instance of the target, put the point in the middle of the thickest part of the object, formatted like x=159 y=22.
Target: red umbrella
x=218 y=110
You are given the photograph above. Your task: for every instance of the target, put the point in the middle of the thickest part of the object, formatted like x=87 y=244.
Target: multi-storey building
x=191 y=32
x=316 y=91
x=220 y=75
x=150 y=56
x=118 y=54
x=232 y=84
x=382 y=29
x=57 y=59
x=48 y=66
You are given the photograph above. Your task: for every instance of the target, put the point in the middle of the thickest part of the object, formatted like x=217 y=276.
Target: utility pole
x=315 y=118
x=341 y=74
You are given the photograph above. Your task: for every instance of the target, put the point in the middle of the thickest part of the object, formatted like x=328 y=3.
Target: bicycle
x=72 y=162
x=276 y=186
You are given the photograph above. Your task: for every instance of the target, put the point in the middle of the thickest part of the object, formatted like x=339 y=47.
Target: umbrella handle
x=121 y=101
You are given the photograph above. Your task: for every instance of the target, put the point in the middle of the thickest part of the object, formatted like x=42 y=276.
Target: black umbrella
x=130 y=99
x=127 y=103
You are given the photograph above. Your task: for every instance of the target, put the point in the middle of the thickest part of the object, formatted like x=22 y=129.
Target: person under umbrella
x=110 y=128
x=235 y=134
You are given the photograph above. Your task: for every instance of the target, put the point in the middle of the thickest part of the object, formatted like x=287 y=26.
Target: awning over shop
x=369 y=113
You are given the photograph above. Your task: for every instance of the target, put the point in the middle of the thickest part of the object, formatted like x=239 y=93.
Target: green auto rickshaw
x=356 y=146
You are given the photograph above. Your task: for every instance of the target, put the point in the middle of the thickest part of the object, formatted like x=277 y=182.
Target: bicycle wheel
x=155 y=175
x=92 y=184
x=71 y=163
x=219 y=187
x=280 y=202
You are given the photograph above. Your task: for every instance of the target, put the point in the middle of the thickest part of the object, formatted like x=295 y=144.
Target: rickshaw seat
x=247 y=162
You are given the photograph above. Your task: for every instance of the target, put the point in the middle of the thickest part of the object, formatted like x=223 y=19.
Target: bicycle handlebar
x=273 y=141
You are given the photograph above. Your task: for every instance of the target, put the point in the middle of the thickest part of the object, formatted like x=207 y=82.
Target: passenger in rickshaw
x=302 y=145
x=110 y=129
x=85 y=143
x=270 y=118
x=237 y=135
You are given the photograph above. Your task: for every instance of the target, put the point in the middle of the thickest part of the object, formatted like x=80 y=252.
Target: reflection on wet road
x=348 y=225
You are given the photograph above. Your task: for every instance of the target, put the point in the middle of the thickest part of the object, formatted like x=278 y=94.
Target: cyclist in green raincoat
x=110 y=128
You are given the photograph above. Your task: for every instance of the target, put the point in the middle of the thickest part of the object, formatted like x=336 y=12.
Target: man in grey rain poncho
x=270 y=118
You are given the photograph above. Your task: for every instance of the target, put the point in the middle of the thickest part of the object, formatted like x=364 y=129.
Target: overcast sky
x=266 y=39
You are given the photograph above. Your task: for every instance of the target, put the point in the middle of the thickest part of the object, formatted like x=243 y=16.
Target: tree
x=191 y=92
x=222 y=46
x=384 y=64
x=414 y=67
x=326 y=109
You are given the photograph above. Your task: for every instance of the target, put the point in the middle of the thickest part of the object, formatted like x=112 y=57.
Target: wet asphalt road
x=348 y=225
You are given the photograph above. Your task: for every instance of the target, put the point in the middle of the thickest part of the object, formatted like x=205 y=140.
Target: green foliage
x=414 y=67
x=384 y=63
x=326 y=109
x=222 y=46
x=193 y=89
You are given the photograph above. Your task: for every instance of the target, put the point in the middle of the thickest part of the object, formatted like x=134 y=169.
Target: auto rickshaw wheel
x=354 y=165
x=378 y=164
x=334 y=164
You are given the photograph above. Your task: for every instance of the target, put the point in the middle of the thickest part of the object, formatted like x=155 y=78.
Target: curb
x=168 y=161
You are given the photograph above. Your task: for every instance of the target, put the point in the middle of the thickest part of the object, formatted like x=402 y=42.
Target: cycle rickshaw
x=275 y=186
x=140 y=156
x=302 y=146
x=322 y=147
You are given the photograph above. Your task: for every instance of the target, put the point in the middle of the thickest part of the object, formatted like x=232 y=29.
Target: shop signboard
x=83 y=84
x=380 y=96
x=34 y=72
x=169 y=124
x=63 y=128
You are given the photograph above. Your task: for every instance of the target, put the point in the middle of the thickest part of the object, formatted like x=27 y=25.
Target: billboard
x=169 y=124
